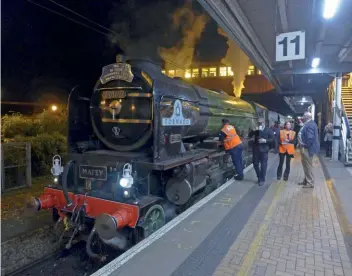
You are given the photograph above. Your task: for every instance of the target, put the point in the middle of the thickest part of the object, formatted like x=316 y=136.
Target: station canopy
x=299 y=45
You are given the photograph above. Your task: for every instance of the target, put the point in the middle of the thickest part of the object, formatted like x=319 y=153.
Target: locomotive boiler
x=139 y=145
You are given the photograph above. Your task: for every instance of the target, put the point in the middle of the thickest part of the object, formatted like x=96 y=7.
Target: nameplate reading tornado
x=177 y=118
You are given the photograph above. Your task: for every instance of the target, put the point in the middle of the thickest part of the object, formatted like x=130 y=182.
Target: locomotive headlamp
x=56 y=179
x=57 y=169
x=127 y=180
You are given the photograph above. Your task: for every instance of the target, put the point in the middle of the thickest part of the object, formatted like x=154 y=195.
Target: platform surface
x=277 y=229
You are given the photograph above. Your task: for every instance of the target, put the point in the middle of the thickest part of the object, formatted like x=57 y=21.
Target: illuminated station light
x=315 y=62
x=53 y=107
x=330 y=8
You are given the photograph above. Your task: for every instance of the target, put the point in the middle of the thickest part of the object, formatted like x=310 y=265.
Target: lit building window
x=205 y=72
x=259 y=72
x=171 y=73
x=195 y=73
x=163 y=71
x=250 y=70
x=212 y=72
x=188 y=74
x=229 y=71
x=223 y=72
x=180 y=73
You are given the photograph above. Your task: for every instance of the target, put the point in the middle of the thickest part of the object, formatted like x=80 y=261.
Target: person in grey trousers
x=308 y=141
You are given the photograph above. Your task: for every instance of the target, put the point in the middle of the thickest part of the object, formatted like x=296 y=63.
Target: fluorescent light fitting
x=330 y=8
x=301 y=103
x=303 y=99
x=315 y=62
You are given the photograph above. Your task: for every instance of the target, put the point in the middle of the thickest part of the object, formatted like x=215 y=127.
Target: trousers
x=328 y=148
x=307 y=164
x=236 y=156
x=281 y=163
x=260 y=164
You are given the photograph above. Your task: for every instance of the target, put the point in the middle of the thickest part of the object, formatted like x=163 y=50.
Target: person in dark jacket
x=308 y=140
x=263 y=137
x=276 y=132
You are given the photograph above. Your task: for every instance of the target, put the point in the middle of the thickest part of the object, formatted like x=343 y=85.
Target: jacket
x=231 y=139
x=287 y=147
x=310 y=138
x=266 y=134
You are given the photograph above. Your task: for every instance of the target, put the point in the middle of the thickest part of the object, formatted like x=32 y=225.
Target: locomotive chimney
x=120 y=58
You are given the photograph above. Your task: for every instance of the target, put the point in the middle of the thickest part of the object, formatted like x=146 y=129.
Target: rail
x=15 y=166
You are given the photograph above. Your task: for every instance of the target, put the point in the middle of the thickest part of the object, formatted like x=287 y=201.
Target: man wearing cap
x=233 y=145
x=263 y=137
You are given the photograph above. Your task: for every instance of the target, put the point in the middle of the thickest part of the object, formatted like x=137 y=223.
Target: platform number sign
x=290 y=46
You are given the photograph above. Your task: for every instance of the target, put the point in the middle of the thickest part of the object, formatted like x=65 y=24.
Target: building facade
x=220 y=77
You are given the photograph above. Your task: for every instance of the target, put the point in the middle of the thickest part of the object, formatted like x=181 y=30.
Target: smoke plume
x=160 y=30
x=191 y=26
x=239 y=62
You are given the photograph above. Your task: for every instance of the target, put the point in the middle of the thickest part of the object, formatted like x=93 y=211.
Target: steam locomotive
x=141 y=144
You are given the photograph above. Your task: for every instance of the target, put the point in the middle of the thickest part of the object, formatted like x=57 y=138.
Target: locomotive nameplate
x=116 y=71
x=177 y=118
x=93 y=172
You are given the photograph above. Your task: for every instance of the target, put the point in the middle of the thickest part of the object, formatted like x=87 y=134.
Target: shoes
x=239 y=177
x=285 y=178
x=279 y=178
x=261 y=183
x=303 y=183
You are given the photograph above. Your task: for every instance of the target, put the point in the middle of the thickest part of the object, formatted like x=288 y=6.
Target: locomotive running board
x=129 y=254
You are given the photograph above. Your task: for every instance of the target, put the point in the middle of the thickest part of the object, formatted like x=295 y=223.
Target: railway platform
x=243 y=229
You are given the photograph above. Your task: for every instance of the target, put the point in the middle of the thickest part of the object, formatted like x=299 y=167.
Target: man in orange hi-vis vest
x=233 y=145
x=286 y=149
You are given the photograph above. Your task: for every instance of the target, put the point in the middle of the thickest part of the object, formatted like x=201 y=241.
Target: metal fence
x=15 y=166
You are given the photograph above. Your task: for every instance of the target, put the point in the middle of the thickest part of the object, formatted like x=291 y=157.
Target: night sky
x=45 y=55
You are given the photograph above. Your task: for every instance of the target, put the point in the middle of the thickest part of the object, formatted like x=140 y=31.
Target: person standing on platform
x=328 y=130
x=286 y=149
x=233 y=145
x=263 y=137
x=297 y=128
x=276 y=132
x=308 y=141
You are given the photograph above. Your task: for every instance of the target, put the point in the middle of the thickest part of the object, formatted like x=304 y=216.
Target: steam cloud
x=192 y=25
x=239 y=62
x=162 y=31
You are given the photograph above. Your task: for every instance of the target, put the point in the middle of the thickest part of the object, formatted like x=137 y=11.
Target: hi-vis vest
x=232 y=139
x=290 y=135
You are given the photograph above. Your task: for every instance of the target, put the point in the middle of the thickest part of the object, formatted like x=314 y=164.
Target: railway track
x=73 y=262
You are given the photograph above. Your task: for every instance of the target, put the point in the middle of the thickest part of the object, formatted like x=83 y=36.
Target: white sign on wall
x=290 y=46
x=177 y=118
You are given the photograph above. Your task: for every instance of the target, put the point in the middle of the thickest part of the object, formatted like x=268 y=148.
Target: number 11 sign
x=290 y=46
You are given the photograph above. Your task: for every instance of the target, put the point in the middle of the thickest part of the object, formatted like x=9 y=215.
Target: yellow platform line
x=346 y=228
x=256 y=243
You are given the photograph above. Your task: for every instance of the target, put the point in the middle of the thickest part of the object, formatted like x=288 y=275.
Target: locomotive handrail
x=135 y=121
x=120 y=87
x=204 y=104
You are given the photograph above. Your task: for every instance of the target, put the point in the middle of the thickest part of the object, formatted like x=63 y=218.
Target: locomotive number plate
x=93 y=172
x=113 y=94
